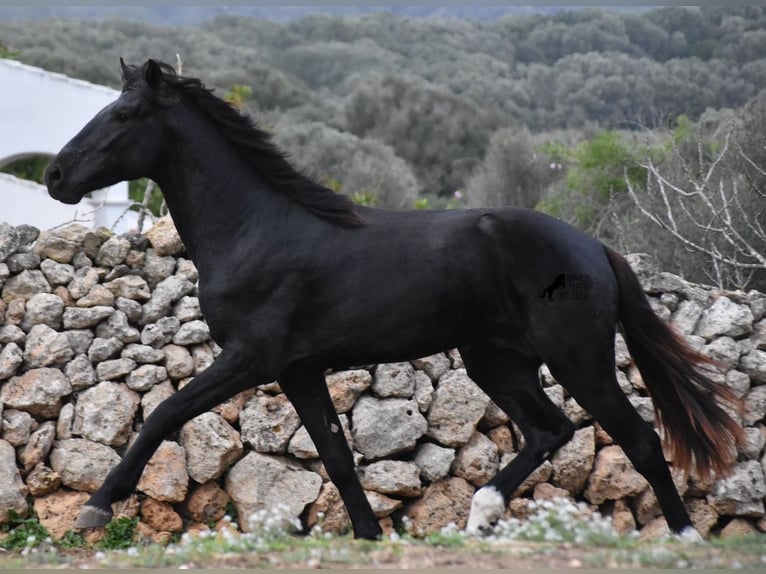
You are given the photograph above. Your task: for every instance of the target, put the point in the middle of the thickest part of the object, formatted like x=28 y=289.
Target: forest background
x=643 y=127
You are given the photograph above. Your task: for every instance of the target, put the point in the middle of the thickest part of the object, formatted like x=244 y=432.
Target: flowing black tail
x=699 y=435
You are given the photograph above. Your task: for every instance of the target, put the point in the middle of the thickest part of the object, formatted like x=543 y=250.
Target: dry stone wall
x=97 y=329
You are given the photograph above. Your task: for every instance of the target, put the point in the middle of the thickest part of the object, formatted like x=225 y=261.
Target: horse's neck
x=215 y=197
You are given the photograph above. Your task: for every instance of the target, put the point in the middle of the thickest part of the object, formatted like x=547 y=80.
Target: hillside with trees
x=645 y=128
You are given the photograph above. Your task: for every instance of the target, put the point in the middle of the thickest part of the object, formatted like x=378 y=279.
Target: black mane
x=256 y=146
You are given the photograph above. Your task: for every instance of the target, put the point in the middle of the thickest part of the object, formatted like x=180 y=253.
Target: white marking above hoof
x=487 y=506
x=689 y=535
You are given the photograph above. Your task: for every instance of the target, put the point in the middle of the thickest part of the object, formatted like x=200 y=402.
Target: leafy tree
x=515 y=171
x=440 y=134
x=598 y=171
x=366 y=170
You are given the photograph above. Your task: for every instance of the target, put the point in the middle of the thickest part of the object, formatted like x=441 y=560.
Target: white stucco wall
x=39 y=112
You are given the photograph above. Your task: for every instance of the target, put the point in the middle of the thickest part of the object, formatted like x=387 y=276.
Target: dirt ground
x=468 y=554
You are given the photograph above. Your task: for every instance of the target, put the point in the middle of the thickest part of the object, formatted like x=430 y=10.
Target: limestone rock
x=85 y=317
x=738 y=527
x=9 y=240
x=160 y=516
x=573 y=462
x=58 y=511
x=82 y=464
x=207 y=502
x=457 y=407
x=83 y=281
x=164 y=237
x=80 y=373
x=395 y=477
x=477 y=460
x=12 y=490
x=113 y=251
x=381 y=504
x=267 y=423
x=104 y=413
x=118 y=326
x=211 y=444
x=151 y=399
x=114 y=369
x=261 y=481
x=443 y=502
x=43 y=309
x=301 y=446
x=98 y=295
x=434 y=365
x=143 y=354
x=178 y=361
x=687 y=316
x=80 y=340
x=25 y=285
x=38 y=447
x=165 y=293
x=394 y=380
x=187 y=309
x=424 y=391
x=755 y=405
x=613 y=477
x=434 y=461
x=38 y=391
x=61 y=244
x=157 y=267
x=725 y=350
x=160 y=333
x=103 y=349
x=165 y=477
x=703 y=516
x=11 y=358
x=346 y=386
x=725 y=317
x=131 y=287
x=742 y=492
x=56 y=273
x=400 y=417
x=42 y=480
x=17 y=426
x=145 y=377
x=192 y=333
x=46 y=347
x=330 y=510
x=754 y=364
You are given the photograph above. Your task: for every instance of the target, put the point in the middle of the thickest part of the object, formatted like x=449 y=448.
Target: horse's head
x=122 y=142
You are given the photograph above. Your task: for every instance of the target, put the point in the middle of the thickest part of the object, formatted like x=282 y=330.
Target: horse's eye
x=122 y=116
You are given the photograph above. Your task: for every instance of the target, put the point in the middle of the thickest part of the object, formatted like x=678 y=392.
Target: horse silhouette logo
x=559 y=282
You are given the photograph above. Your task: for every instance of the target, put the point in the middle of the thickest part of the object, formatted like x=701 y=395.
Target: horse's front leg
x=307 y=390
x=228 y=375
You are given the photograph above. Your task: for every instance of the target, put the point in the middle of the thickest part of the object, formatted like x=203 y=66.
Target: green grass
x=555 y=531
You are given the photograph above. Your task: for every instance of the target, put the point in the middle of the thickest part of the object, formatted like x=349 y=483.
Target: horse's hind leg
x=307 y=391
x=512 y=382
x=590 y=379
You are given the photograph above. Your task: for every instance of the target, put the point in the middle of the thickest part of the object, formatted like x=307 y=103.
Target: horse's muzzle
x=54 y=180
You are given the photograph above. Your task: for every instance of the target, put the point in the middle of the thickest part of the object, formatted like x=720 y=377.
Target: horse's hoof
x=92 y=517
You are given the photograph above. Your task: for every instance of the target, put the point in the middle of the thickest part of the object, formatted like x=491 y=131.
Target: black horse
x=294 y=279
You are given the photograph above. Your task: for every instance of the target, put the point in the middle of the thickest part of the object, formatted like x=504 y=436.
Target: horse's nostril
x=53 y=175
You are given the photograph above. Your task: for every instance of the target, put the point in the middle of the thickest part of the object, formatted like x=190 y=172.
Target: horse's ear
x=124 y=69
x=153 y=74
